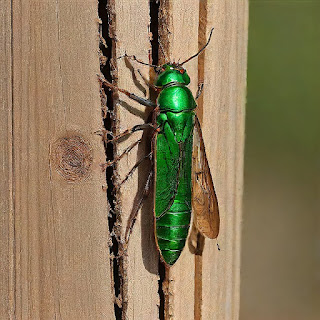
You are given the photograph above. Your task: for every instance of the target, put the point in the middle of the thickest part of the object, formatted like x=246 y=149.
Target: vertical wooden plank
x=61 y=243
x=140 y=294
x=6 y=230
x=180 y=37
x=223 y=130
x=207 y=286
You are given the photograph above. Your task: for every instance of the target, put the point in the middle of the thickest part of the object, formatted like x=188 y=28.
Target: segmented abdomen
x=172 y=231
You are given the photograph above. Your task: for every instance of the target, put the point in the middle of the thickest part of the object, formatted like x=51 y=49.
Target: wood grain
x=60 y=253
x=6 y=190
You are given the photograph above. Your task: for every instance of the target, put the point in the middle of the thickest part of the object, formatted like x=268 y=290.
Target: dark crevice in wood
x=108 y=69
x=154 y=25
x=162 y=275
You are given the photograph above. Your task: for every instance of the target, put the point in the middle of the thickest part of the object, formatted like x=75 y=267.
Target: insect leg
x=133 y=216
x=199 y=91
x=129 y=174
x=148 y=156
x=132 y=130
x=127 y=150
x=143 y=101
x=150 y=85
x=137 y=60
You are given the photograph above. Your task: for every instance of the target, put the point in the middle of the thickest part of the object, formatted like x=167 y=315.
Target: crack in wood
x=109 y=99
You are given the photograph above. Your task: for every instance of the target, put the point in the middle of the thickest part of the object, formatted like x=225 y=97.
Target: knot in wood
x=72 y=157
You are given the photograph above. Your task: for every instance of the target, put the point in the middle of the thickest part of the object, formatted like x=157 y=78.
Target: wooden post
x=55 y=241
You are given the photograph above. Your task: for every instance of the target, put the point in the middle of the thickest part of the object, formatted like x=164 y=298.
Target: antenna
x=195 y=55
x=137 y=60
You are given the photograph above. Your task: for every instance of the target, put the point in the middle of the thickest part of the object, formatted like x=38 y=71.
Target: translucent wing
x=204 y=199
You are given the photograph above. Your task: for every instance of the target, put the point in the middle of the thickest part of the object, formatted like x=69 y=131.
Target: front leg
x=150 y=85
x=137 y=127
x=143 y=101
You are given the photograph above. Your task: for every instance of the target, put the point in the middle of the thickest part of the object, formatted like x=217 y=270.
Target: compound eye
x=182 y=71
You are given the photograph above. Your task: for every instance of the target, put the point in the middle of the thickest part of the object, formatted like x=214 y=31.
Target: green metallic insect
x=181 y=174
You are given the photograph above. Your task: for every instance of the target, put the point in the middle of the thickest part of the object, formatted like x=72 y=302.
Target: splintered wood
x=55 y=261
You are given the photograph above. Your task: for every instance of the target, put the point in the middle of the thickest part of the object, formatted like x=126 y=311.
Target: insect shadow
x=150 y=254
x=196 y=241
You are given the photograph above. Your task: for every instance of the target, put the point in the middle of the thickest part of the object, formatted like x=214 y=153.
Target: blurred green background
x=280 y=275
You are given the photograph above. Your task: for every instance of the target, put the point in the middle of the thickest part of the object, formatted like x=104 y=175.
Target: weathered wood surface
x=55 y=240
x=54 y=230
x=223 y=125
x=6 y=192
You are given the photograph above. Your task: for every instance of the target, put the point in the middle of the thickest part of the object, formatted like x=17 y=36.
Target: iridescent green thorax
x=174 y=95
x=172 y=73
x=176 y=98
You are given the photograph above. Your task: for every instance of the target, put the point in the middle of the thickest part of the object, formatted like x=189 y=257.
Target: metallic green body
x=174 y=144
